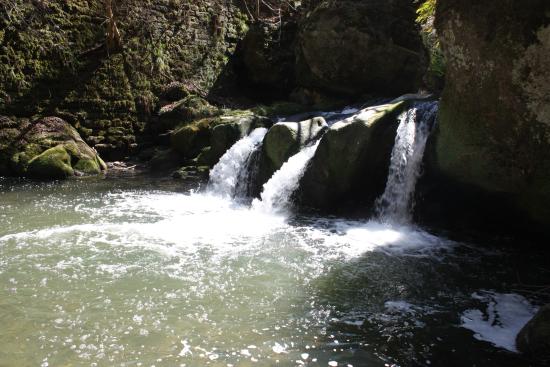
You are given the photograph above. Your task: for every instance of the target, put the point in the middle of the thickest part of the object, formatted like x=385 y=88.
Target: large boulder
x=350 y=47
x=494 y=130
x=209 y=138
x=285 y=139
x=48 y=148
x=352 y=160
x=534 y=338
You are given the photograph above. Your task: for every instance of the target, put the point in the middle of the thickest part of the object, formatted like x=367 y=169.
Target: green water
x=139 y=272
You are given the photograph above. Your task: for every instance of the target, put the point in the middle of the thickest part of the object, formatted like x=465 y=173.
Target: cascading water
x=225 y=175
x=277 y=192
x=248 y=177
x=396 y=204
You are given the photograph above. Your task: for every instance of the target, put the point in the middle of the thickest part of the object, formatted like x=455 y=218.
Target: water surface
x=140 y=272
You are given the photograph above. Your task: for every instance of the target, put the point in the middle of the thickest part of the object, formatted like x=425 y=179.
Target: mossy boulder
x=285 y=139
x=216 y=133
x=534 y=339
x=52 y=163
x=351 y=47
x=352 y=160
x=190 y=139
x=494 y=130
x=48 y=148
x=189 y=109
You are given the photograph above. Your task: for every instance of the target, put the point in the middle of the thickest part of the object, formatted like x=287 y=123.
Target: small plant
x=425 y=18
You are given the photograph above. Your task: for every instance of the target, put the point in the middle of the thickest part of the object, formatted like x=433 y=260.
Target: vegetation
x=425 y=18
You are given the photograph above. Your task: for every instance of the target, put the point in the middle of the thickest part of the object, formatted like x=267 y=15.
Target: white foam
x=501 y=321
x=225 y=174
x=277 y=192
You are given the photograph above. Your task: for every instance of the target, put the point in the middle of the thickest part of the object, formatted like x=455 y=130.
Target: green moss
x=49 y=60
x=51 y=164
x=87 y=166
x=437 y=66
x=188 y=140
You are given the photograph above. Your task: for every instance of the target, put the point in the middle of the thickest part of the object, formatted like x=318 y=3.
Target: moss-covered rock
x=189 y=109
x=494 y=130
x=285 y=139
x=54 y=59
x=46 y=148
x=217 y=133
x=190 y=139
x=352 y=160
x=352 y=47
x=534 y=339
x=52 y=163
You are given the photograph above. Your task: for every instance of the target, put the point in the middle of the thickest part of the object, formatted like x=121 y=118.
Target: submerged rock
x=534 y=338
x=48 y=148
x=494 y=130
x=350 y=47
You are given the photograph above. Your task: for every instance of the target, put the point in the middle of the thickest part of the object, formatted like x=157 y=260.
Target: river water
x=134 y=271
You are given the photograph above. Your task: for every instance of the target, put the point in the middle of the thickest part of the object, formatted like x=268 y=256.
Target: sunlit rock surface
x=47 y=148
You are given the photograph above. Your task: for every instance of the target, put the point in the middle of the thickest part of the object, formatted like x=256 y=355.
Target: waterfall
x=233 y=165
x=248 y=177
x=396 y=203
x=277 y=192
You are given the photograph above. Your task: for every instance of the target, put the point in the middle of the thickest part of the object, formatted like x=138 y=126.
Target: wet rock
x=217 y=133
x=285 y=139
x=352 y=47
x=352 y=160
x=48 y=148
x=534 y=339
x=192 y=172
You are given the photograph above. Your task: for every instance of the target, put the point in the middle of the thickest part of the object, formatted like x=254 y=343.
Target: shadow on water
x=405 y=308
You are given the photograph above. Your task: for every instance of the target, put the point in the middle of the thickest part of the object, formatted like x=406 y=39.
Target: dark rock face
x=352 y=47
x=268 y=57
x=534 y=338
x=494 y=130
x=49 y=148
